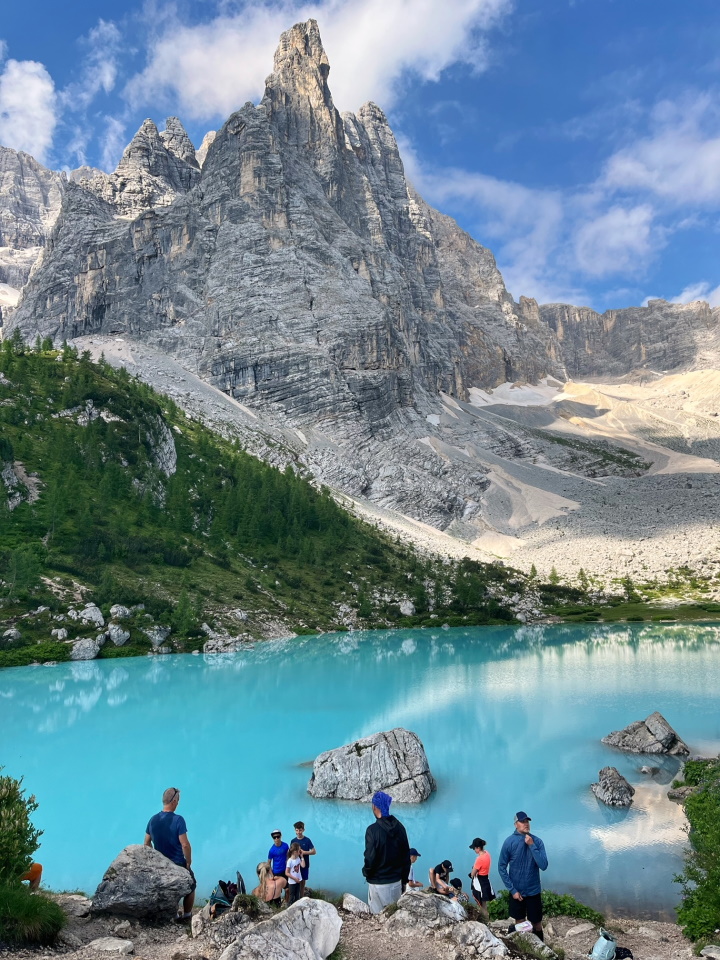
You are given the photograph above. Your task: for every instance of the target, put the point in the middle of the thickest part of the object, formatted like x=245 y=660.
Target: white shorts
x=381 y=895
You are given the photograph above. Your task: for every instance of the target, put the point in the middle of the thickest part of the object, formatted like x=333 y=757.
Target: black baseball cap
x=413 y=852
x=521 y=815
x=447 y=865
x=477 y=842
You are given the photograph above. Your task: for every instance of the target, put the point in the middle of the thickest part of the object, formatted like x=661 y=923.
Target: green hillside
x=111 y=494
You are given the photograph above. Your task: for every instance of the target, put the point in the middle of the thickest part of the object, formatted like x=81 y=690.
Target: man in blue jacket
x=521 y=859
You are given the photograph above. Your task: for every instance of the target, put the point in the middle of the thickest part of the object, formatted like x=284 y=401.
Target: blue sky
x=578 y=139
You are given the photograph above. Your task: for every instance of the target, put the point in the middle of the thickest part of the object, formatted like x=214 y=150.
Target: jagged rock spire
x=176 y=140
x=297 y=97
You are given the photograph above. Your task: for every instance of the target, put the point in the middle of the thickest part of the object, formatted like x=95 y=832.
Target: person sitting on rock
x=440 y=877
x=457 y=892
x=412 y=882
x=167 y=832
x=270 y=887
x=293 y=872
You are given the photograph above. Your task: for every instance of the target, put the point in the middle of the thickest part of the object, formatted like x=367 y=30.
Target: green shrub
x=248 y=904
x=699 y=912
x=28 y=919
x=45 y=652
x=18 y=837
x=554 y=905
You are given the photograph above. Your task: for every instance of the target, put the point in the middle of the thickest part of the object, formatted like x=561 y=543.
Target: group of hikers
x=389 y=864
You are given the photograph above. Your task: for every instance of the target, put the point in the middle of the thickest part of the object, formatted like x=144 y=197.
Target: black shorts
x=192 y=877
x=486 y=893
x=529 y=908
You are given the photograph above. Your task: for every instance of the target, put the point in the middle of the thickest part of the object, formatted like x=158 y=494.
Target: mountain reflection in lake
x=511 y=718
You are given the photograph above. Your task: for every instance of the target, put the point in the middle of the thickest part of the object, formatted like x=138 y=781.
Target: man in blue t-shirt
x=167 y=832
x=308 y=849
x=277 y=855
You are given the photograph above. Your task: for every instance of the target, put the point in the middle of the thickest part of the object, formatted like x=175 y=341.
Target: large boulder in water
x=307 y=930
x=141 y=882
x=612 y=788
x=654 y=735
x=394 y=761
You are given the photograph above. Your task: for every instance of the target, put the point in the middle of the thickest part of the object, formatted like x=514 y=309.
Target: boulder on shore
x=393 y=760
x=612 y=788
x=142 y=883
x=420 y=914
x=307 y=930
x=653 y=735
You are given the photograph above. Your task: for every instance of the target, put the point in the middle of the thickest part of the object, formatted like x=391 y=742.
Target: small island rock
x=612 y=788
x=393 y=760
x=653 y=735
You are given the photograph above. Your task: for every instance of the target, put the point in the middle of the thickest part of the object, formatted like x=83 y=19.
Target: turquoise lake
x=511 y=719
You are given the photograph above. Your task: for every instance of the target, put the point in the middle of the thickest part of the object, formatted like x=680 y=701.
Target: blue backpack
x=605 y=947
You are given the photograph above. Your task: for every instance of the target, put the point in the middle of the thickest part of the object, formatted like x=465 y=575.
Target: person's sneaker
x=183 y=918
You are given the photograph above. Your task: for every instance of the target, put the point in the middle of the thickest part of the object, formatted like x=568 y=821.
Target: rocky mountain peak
x=297 y=97
x=176 y=140
x=155 y=169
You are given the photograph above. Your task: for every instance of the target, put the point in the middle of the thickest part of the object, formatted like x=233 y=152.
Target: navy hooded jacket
x=520 y=864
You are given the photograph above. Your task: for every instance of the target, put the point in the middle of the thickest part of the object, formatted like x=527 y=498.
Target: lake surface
x=511 y=719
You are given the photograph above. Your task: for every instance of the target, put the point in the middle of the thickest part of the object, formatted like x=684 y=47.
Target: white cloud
x=699 y=291
x=617 y=241
x=27 y=107
x=210 y=69
x=113 y=142
x=100 y=69
x=680 y=161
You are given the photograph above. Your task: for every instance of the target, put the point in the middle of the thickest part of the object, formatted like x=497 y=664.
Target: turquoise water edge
x=511 y=719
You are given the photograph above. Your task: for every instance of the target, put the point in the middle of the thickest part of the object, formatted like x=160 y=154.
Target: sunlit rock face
x=30 y=196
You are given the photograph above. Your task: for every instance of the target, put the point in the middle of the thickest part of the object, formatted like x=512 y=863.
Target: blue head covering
x=382 y=801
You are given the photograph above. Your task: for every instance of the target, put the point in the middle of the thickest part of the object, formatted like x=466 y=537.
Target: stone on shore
x=354 y=905
x=142 y=883
x=653 y=735
x=86 y=648
x=420 y=914
x=612 y=788
x=112 y=945
x=711 y=951
x=307 y=930
x=118 y=634
x=393 y=760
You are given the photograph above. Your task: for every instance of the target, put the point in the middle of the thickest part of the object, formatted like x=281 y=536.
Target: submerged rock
x=141 y=882
x=653 y=735
x=394 y=760
x=612 y=788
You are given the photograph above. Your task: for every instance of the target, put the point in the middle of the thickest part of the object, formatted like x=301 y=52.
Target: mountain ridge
x=299 y=271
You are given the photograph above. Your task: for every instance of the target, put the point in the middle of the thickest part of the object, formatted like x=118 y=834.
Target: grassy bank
x=699 y=913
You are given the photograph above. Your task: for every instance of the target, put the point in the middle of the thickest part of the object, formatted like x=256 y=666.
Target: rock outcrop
x=394 y=761
x=419 y=913
x=307 y=930
x=30 y=199
x=612 y=788
x=653 y=735
x=142 y=883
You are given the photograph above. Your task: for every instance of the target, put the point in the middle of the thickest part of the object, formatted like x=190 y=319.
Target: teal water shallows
x=511 y=719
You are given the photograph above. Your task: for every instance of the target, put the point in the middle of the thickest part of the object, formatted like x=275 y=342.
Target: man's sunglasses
x=276 y=836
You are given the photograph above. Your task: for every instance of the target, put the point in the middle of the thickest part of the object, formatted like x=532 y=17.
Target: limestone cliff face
x=298 y=268
x=30 y=197
x=661 y=336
